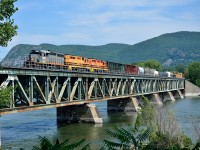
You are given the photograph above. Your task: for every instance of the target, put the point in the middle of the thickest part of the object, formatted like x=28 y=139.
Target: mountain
x=170 y=49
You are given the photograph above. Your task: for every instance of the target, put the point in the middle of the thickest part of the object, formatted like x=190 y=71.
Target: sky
x=99 y=22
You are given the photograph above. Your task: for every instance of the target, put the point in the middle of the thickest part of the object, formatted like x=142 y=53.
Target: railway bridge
x=72 y=93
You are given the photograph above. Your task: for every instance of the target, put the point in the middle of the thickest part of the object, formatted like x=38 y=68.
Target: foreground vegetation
x=5 y=97
x=154 y=129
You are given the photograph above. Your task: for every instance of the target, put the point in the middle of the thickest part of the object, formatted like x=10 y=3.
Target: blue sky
x=98 y=22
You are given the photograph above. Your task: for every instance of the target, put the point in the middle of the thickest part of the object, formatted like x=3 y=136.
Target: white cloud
x=101 y=22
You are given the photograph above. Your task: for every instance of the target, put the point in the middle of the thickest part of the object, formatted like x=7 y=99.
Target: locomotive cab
x=39 y=56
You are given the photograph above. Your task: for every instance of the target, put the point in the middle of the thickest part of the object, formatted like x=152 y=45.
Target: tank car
x=166 y=74
x=163 y=74
x=156 y=73
x=169 y=74
x=149 y=72
x=141 y=71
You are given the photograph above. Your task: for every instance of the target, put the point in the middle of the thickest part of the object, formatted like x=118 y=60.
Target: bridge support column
x=128 y=104
x=178 y=94
x=167 y=96
x=154 y=99
x=181 y=94
x=157 y=99
x=79 y=113
x=135 y=103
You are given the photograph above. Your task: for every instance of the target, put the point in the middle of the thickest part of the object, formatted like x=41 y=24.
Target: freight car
x=165 y=74
x=148 y=71
x=141 y=71
x=116 y=68
x=131 y=69
x=178 y=75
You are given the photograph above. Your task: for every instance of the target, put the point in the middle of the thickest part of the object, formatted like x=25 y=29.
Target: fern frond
x=86 y=147
x=120 y=134
x=62 y=144
x=128 y=135
x=45 y=143
x=36 y=148
x=114 y=145
x=74 y=145
x=144 y=135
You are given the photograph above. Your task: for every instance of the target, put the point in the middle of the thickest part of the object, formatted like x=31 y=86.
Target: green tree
x=5 y=97
x=151 y=63
x=154 y=64
x=7 y=27
x=180 y=68
x=148 y=115
x=194 y=73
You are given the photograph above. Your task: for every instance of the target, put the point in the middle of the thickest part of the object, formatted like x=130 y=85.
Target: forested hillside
x=170 y=49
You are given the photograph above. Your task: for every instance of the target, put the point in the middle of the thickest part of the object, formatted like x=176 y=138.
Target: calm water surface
x=21 y=130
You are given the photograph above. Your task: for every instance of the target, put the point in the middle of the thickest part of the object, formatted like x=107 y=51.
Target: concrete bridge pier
x=155 y=99
x=126 y=104
x=167 y=96
x=78 y=113
x=177 y=94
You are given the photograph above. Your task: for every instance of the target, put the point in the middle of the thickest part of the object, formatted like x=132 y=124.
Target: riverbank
x=191 y=90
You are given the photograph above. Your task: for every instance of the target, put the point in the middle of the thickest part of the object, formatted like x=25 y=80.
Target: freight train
x=45 y=59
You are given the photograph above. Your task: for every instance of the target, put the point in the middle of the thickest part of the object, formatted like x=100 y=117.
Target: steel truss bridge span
x=38 y=89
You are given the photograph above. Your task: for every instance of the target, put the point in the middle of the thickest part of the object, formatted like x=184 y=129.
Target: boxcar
x=116 y=68
x=131 y=69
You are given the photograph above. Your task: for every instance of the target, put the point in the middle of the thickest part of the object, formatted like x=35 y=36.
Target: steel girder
x=29 y=90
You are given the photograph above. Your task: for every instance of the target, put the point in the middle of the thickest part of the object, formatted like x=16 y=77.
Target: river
x=21 y=130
